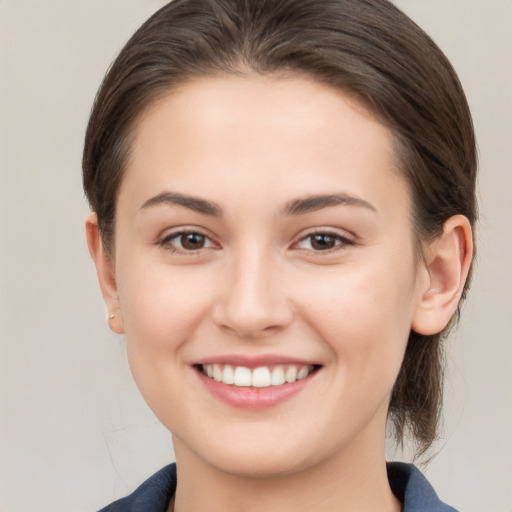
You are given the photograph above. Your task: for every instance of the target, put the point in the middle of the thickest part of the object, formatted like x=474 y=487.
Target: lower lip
x=250 y=397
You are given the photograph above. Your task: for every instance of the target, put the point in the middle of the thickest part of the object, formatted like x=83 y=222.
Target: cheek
x=162 y=312
x=161 y=308
x=365 y=316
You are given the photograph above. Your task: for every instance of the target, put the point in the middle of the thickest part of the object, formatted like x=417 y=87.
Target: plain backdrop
x=75 y=433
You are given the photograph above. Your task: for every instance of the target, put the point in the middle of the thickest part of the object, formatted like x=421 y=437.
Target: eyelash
x=340 y=242
x=171 y=247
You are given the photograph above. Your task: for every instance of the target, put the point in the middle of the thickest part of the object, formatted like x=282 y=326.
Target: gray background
x=74 y=432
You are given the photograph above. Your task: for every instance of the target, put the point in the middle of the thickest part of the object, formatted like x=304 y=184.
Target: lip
x=252 y=398
x=255 y=361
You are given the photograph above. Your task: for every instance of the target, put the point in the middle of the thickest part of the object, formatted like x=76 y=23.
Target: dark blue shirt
x=406 y=481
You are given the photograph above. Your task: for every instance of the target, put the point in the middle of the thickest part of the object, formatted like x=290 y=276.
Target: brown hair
x=366 y=47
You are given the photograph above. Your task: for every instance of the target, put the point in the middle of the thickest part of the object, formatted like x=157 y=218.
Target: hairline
x=155 y=98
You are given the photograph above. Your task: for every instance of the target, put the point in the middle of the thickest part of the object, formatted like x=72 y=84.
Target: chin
x=260 y=465
x=250 y=456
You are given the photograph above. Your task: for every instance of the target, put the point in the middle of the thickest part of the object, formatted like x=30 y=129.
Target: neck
x=342 y=482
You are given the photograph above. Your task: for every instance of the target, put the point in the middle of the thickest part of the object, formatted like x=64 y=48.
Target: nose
x=252 y=301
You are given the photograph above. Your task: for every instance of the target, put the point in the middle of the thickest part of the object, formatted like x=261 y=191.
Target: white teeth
x=261 y=377
x=217 y=373
x=228 y=376
x=302 y=373
x=291 y=374
x=277 y=378
x=242 y=376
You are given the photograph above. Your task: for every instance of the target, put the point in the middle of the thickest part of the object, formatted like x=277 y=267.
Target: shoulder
x=152 y=496
x=413 y=490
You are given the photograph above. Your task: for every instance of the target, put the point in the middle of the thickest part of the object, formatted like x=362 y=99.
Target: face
x=265 y=272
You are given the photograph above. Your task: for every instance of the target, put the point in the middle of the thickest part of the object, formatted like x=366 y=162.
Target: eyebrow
x=298 y=206
x=192 y=203
x=317 y=202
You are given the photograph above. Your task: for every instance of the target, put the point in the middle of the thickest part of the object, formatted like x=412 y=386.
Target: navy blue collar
x=413 y=489
x=406 y=481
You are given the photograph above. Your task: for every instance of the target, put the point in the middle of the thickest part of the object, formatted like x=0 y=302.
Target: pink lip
x=254 y=361
x=253 y=398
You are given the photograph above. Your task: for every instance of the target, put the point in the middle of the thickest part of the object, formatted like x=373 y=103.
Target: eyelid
x=344 y=239
x=164 y=240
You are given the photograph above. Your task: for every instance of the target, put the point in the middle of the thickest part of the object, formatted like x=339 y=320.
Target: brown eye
x=192 y=241
x=322 y=242
x=186 y=241
x=319 y=242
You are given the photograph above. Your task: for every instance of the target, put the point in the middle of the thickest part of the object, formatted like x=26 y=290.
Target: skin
x=252 y=146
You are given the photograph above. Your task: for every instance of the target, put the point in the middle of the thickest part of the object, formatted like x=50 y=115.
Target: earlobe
x=447 y=262
x=105 y=272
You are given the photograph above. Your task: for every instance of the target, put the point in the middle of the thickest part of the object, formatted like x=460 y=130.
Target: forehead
x=295 y=104
x=285 y=135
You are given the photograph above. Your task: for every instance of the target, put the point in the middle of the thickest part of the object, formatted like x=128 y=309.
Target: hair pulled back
x=367 y=48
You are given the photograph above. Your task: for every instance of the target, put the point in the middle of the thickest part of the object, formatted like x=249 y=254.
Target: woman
x=282 y=199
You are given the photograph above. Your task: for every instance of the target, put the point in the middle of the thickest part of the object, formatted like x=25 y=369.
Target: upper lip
x=255 y=361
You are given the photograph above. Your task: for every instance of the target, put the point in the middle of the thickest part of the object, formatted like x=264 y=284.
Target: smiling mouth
x=260 y=377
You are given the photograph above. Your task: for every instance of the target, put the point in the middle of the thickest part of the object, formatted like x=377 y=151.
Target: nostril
x=251 y=320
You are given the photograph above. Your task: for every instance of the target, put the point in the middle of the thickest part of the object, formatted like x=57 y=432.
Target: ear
x=106 y=274
x=447 y=262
